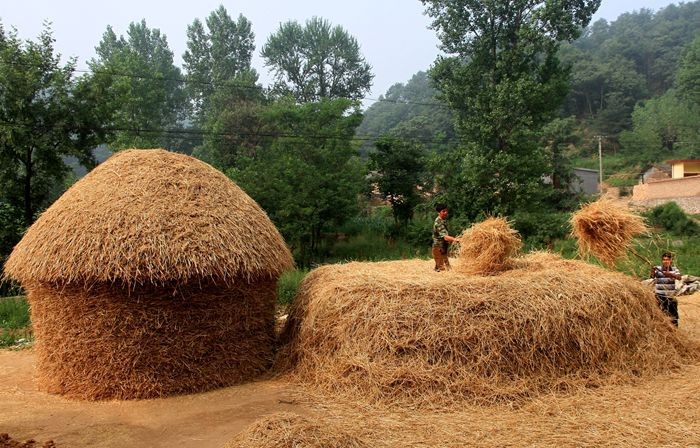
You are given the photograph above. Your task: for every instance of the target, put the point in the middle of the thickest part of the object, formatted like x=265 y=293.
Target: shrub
x=671 y=217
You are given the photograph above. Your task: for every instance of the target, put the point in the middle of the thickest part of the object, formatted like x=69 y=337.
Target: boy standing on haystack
x=665 y=277
x=441 y=239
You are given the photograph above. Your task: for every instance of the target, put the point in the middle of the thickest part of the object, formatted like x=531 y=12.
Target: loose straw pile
x=287 y=430
x=605 y=230
x=395 y=332
x=487 y=247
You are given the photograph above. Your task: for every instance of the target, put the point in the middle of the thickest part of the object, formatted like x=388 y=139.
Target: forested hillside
x=632 y=80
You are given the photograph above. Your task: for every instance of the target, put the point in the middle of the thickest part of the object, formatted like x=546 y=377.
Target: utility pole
x=600 y=163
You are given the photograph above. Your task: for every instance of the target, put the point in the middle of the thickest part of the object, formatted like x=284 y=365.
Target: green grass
x=14 y=320
x=288 y=285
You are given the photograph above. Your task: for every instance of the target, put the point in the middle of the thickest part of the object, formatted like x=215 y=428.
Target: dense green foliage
x=316 y=61
x=14 y=320
x=141 y=87
x=671 y=218
x=215 y=57
x=503 y=79
x=44 y=114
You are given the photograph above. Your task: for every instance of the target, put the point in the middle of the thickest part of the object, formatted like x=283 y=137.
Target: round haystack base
x=397 y=332
x=113 y=342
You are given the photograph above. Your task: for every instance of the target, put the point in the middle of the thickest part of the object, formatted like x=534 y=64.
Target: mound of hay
x=153 y=275
x=487 y=247
x=605 y=229
x=287 y=430
x=388 y=332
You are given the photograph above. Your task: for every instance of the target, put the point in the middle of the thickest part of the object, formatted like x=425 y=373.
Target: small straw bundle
x=487 y=247
x=288 y=430
x=390 y=332
x=605 y=229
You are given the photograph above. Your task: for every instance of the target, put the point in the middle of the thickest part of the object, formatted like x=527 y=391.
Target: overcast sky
x=393 y=34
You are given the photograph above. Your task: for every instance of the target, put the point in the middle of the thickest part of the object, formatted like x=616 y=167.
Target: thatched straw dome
x=153 y=275
x=150 y=216
x=397 y=332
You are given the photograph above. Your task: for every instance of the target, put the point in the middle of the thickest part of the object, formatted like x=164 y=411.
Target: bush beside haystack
x=152 y=275
x=287 y=430
x=396 y=332
x=605 y=229
x=487 y=247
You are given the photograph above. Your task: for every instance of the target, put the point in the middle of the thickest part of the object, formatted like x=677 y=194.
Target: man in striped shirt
x=665 y=277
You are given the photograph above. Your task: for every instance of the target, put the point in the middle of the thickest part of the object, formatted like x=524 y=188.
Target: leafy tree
x=316 y=61
x=235 y=123
x=143 y=87
x=400 y=168
x=688 y=75
x=505 y=82
x=44 y=115
x=307 y=176
x=663 y=127
x=215 y=56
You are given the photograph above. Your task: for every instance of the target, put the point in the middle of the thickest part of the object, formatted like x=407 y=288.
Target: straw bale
x=487 y=247
x=111 y=342
x=605 y=229
x=288 y=430
x=150 y=216
x=397 y=333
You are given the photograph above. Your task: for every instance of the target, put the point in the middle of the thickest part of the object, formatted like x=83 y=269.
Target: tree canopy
x=143 y=87
x=503 y=78
x=316 y=61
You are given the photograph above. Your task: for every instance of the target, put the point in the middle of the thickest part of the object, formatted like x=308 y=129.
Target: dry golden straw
x=605 y=229
x=395 y=332
x=150 y=216
x=487 y=247
x=288 y=430
x=153 y=275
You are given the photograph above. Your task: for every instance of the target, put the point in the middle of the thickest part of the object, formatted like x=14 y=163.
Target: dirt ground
x=662 y=411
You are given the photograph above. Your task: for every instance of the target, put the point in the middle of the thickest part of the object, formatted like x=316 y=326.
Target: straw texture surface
x=288 y=430
x=150 y=216
x=487 y=247
x=398 y=333
x=605 y=229
x=120 y=343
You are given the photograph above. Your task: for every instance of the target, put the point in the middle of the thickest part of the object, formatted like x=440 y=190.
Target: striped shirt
x=665 y=286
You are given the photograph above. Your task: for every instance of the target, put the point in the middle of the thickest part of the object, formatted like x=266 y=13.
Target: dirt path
x=200 y=420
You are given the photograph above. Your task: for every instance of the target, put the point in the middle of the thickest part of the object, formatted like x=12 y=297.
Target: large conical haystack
x=605 y=229
x=153 y=275
x=287 y=430
x=392 y=333
x=486 y=248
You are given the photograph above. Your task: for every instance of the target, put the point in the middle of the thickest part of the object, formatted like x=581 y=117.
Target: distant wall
x=588 y=181
x=667 y=188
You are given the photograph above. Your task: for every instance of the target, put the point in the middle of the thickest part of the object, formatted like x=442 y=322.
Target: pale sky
x=393 y=34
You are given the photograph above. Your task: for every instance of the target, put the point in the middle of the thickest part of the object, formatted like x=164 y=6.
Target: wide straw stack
x=605 y=229
x=395 y=332
x=487 y=247
x=153 y=275
x=288 y=430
